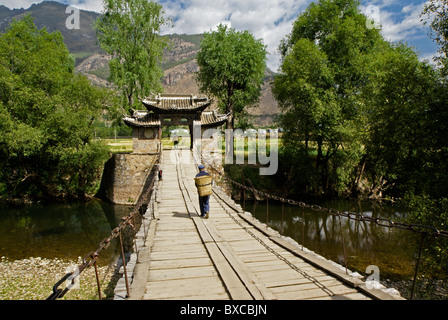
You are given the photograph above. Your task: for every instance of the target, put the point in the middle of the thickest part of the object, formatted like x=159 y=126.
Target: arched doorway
x=171 y=110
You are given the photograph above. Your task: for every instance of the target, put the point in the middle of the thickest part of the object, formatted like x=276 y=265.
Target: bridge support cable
x=423 y=230
x=223 y=204
x=246 y=223
x=92 y=258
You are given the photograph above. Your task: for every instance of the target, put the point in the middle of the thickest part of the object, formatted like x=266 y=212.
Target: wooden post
x=417 y=264
x=124 y=266
x=267 y=212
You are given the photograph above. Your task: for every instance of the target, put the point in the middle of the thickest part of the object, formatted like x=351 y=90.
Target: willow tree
x=128 y=31
x=232 y=65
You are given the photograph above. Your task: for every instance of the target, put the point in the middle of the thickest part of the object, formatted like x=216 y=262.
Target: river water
x=69 y=231
x=392 y=250
x=64 y=231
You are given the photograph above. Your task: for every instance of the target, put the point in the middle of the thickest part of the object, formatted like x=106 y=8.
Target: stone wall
x=124 y=177
x=146 y=140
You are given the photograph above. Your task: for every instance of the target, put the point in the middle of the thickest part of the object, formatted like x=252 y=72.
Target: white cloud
x=90 y=5
x=429 y=57
x=17 y=4
x=268 y=20
x=400 y=22
x=410 y=26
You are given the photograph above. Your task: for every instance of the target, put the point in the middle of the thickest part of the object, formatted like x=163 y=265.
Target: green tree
x=436 y=12
x=407 y=139
x=46 y=114
x=325 y=66
x=128 y=31
x=232 y=65
x=305 y=91
x=371 y=108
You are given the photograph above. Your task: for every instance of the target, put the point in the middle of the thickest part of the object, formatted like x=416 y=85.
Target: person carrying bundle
x=203 y=182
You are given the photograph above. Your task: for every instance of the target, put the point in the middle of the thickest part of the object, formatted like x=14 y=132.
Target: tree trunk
x=230 y=121
x=320 y=157
x=130 y=100
x=229 y=106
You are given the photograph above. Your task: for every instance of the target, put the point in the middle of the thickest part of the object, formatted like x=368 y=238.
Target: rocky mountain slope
x=180 y=65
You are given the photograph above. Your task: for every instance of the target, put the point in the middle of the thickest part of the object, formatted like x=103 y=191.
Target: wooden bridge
x=230 y=256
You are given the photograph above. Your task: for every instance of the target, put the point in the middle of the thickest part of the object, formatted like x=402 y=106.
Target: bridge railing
x=91 y=259
x=423 y=230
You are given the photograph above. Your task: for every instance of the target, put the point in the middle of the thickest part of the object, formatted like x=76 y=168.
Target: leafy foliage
x=436 y=12
x=46 y=116
x=407 y=138
x=369 y=116
x=320 y=87
x=232 y=65
x=128 y=31
x=425 y=210
x=363 y=115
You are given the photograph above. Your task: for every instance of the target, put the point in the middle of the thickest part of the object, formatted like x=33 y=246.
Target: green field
x=120 y=145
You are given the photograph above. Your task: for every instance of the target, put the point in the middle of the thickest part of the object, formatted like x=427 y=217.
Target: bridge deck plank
x=226 y=256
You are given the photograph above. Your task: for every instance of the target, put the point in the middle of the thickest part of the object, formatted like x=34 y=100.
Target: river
x=69 y=231
x=59 y=230
x=392 y=250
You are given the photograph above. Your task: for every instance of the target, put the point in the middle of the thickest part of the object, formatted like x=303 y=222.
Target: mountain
x=52 y=15
x=179 y=60
x=179 y=64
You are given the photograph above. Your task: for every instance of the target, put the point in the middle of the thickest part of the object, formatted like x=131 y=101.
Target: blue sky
x=271 y=20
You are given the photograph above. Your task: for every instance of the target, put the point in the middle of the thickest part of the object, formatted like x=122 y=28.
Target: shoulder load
x=204 y=185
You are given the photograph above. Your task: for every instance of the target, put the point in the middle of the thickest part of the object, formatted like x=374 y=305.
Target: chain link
x=428 y=230
x=274 y=252
x=105 y=243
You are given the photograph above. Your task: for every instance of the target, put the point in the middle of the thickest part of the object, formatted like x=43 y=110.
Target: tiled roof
x=168 y=103
x=211 y=119
x=144 y=120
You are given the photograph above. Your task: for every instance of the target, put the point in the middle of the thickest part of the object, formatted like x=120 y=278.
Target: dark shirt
x=202 y=173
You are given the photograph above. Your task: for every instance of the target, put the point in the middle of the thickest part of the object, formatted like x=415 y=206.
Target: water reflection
x=65 y=231
x=366 y=243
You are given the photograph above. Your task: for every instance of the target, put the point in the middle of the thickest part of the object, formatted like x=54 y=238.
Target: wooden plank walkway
x=230 y=256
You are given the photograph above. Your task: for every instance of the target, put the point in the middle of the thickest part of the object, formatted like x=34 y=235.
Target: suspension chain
x=92 y=258
x=278 y=255
x=422 y=229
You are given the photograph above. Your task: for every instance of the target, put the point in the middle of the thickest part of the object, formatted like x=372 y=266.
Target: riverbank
x=34 y=278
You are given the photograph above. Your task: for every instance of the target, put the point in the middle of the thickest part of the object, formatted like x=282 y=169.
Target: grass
x=103 y=73
x=168 y=65
x=120 y=145
x=34 y=278
x=81 y=55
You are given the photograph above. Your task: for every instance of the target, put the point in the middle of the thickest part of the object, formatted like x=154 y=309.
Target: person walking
x=205 y=192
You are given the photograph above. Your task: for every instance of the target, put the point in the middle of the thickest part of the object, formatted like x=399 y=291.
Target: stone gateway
x=125 y=174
